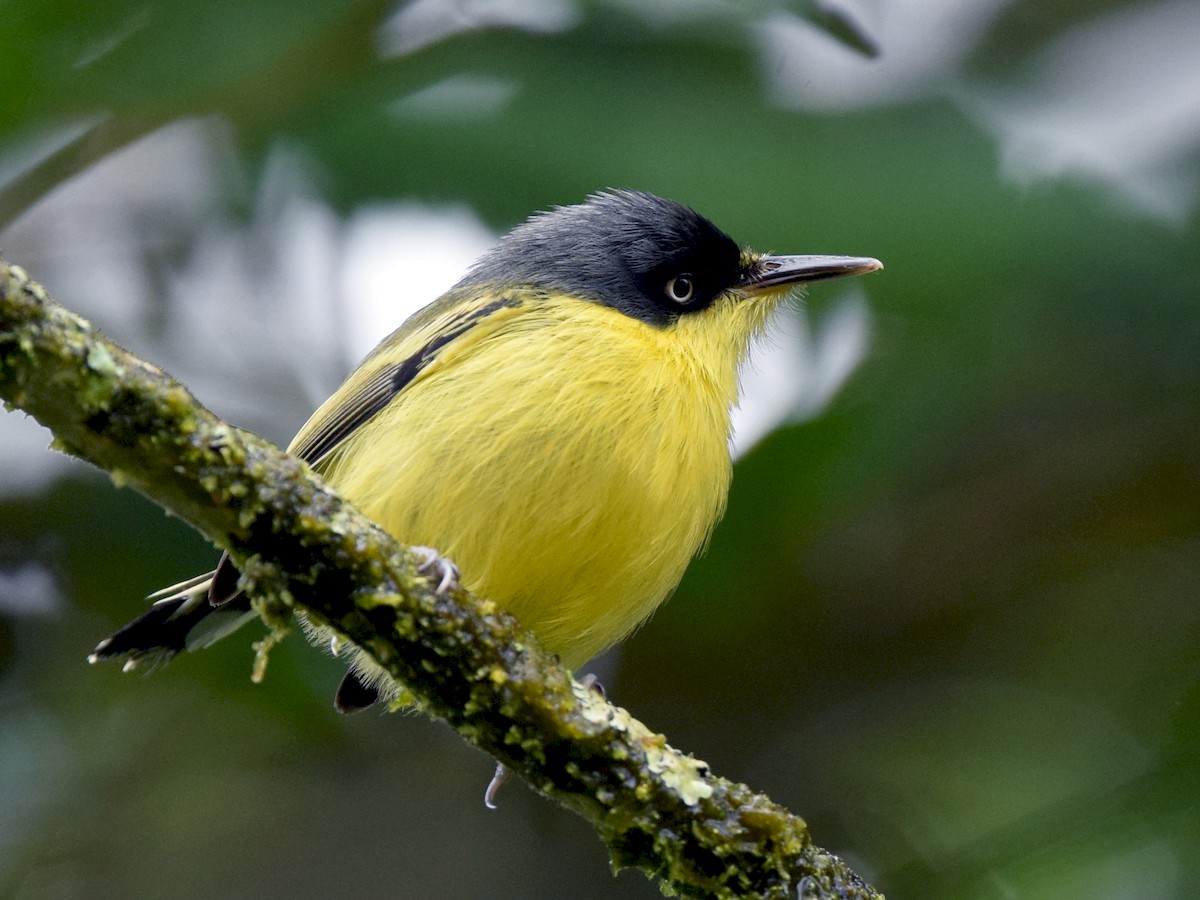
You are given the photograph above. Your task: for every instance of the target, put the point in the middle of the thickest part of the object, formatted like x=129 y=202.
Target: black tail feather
x=164 y=630
x=353 y=695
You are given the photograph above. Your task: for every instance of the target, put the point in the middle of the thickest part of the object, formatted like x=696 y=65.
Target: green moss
x=298 y=546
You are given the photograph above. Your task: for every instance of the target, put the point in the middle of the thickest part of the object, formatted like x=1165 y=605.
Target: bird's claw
x=591 y=681
x=434 y=565
x=497 y=782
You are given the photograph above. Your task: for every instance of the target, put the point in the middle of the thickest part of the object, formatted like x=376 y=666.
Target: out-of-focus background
x=951 y=617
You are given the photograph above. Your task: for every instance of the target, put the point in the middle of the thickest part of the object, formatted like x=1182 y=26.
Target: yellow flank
x=569 y=458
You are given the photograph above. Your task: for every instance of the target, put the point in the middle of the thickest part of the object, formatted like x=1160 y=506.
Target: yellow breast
x=570 y=459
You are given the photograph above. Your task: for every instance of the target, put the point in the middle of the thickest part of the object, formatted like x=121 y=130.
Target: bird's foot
x=589 y=681
x=592 y=682
x=436 y=566
x=497 y=782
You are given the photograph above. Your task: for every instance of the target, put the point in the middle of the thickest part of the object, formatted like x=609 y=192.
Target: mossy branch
x=299 y=545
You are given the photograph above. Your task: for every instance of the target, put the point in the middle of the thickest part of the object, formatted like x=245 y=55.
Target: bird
x=557 y=426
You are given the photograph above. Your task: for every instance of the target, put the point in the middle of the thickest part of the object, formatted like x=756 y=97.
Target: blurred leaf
x=840 y=24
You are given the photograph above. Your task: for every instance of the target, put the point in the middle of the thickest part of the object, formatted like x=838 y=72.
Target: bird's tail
x=182 y=618
x=197 y=613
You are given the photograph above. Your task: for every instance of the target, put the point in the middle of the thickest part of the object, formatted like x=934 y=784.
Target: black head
x=651 y=258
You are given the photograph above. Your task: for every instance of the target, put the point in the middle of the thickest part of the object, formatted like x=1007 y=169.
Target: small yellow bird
x=557 y=424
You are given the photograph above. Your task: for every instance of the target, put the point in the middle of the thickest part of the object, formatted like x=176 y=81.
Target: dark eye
x=681 y=289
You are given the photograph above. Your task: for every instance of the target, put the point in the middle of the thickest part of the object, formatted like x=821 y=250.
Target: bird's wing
x=389 y=369
x=375 y=383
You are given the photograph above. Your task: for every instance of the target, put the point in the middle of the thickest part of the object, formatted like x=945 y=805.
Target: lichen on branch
x=302 y=547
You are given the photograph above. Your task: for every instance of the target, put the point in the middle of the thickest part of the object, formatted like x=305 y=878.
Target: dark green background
x=952 y=620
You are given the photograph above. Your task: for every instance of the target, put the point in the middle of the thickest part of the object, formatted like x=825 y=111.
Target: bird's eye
x=681 y=289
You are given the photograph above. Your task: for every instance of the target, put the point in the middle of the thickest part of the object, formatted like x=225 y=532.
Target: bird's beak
x=773 y=272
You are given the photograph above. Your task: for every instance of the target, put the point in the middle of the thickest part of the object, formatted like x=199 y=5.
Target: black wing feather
x=377 y=393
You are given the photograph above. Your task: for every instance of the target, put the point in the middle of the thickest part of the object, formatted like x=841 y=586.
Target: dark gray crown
x=620 y=248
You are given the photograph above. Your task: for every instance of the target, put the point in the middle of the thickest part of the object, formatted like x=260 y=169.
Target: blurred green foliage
x=952 y=620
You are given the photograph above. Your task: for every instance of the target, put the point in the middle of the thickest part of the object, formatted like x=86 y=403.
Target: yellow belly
x=571 y=462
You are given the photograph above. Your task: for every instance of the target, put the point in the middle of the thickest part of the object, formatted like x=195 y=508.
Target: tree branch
x=301 y=546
